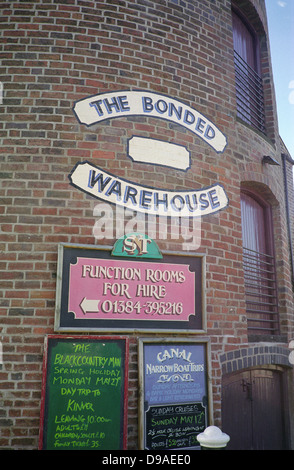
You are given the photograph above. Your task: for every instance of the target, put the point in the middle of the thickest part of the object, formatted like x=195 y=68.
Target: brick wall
x=54 y=53
x=289 y=192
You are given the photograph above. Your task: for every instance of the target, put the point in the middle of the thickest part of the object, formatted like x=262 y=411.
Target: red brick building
x=204 y=71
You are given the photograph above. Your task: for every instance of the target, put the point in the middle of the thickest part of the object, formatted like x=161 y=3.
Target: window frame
x=273 y=330
x=249 y=84
x=268 y=217
x=251 y=30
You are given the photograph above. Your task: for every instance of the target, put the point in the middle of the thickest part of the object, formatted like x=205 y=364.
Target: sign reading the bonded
x=115 y=104
x=110 y=188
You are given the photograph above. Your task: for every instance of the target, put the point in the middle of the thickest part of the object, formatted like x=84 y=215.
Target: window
x=249 y=87
x=259 y=266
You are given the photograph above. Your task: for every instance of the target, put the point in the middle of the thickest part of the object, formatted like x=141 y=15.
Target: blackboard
x=175 y=404
x=97 y=292
x=84 y=393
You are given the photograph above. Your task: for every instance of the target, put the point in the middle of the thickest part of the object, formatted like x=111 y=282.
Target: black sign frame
x=65 y=321
x=84 y=425
x=175 y=425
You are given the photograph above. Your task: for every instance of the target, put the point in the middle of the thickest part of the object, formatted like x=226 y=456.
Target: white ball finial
x=213 y=438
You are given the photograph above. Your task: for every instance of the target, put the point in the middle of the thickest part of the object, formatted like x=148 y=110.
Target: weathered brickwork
x=54 y=53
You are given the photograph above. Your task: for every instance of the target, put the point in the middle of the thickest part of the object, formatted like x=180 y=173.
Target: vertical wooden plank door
x=253 y=410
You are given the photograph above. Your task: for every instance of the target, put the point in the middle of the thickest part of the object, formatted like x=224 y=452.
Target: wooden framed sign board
x=98 y=292
x=84 y=393
x=175 y=404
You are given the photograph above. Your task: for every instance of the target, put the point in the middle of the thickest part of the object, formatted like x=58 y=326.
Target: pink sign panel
x=109 y=289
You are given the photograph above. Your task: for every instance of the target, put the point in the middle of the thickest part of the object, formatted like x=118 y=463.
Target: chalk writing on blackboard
x=172 y=427
x=175 y=394
x=84 y=394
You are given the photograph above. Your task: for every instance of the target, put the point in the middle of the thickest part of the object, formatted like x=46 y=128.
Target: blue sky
x=280 y=15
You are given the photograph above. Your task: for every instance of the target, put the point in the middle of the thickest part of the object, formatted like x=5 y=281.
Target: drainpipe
x=286 y=158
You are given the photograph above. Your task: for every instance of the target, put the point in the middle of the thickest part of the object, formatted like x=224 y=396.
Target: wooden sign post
x=84 y=393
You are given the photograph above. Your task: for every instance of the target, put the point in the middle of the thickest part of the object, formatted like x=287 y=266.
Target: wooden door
x=236 y=410
x=267 y=410
x=253 y=410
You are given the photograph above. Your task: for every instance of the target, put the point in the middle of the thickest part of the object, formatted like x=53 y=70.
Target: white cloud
x=282 y=4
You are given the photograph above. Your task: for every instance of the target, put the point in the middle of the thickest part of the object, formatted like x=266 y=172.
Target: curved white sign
x=116 y=104
x=110 y=188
